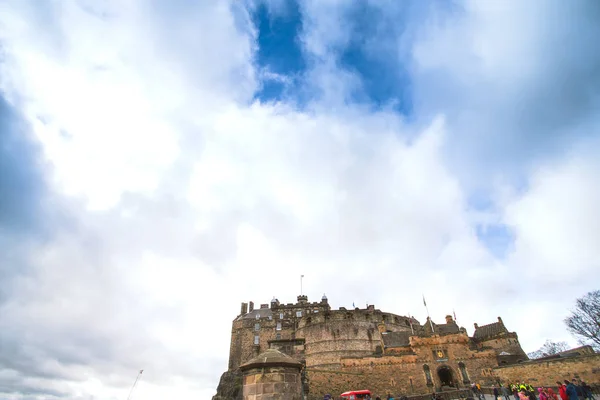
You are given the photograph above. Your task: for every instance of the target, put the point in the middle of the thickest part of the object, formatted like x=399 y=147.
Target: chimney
x=500 y=320
x=476 y=326
x=251 y=306
x=244 y=309
x=449 y=319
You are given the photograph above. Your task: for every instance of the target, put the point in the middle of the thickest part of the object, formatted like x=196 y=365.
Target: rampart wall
x=547 y=372
x=345 y=333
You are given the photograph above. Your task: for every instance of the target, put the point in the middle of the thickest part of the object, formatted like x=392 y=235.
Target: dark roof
x=396 y=339
x=261 y=312
x=489 y=330
x=271 y=358
x=575 y=352
x=445 y=329
x=440 y=329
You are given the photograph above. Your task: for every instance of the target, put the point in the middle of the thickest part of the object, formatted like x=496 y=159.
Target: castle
x=367 y=348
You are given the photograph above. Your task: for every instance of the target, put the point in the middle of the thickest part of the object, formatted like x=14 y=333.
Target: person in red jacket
x=562 y=391
x=552 y=395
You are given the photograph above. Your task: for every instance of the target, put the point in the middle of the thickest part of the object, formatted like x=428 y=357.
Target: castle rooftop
x=271 y=358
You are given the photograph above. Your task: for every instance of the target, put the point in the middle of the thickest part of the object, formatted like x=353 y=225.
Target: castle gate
x=446 y=377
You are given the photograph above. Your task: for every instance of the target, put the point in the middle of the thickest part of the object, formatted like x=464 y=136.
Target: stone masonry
x=370 y=349
x=272 y=375
x=545 y=372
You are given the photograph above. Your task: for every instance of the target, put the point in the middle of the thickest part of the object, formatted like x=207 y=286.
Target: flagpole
x=428 y=317
x=134 y=383
x=301 y=276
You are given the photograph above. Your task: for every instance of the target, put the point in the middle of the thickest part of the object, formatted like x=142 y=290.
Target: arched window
x=463 y=372
x=427 y=375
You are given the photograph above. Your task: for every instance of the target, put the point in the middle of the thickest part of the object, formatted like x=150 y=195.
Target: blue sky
x=384 y=78
x=373 y=53
x=161 y=161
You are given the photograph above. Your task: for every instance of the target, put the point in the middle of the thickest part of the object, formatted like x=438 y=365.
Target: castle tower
x=302 y=299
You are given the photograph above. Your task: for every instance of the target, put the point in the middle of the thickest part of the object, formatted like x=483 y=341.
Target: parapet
x=271 y=358
x=302 y=299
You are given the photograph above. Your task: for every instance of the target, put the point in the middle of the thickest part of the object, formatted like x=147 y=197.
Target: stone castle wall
x=547 y=372
x=328 y=335
x=329 y=338
x=273 y=383
x=508 y=344
x=405 y=374
x=345 y=349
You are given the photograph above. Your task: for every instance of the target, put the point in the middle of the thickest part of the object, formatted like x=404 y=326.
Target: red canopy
x=356 y=392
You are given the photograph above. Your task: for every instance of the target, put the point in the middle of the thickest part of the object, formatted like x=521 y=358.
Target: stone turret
x=272 y=375
x=274 y=302
x=302 y=299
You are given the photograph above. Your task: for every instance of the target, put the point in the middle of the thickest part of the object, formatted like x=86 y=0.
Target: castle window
x=278 y=336
x=257 y=316
x=427 y=374
x=299 y=314
x=270 y=317
x=257 y=327
x=463 y=372
x=280 y=315
x=278 y=327
x=256 y=340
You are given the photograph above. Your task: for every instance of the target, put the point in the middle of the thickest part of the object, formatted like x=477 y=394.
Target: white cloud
x=557 y=223
x=184 y=199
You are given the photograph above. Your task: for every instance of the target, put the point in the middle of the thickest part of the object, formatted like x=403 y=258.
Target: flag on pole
x=141 y=370
x=424 y=303
x=454 y=313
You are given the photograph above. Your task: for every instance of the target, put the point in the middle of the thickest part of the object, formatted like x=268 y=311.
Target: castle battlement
x=360 y=339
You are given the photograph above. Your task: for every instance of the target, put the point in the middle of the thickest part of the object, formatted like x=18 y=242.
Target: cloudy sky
x=163 y=161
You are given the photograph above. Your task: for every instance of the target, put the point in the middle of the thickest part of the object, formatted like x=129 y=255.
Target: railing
x=489 y=391
x=445 y=395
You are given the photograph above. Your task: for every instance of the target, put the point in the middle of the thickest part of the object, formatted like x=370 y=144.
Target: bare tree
x=548 y=349
x=584 y=321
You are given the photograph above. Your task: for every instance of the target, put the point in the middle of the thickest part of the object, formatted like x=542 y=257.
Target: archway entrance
x=445 y=375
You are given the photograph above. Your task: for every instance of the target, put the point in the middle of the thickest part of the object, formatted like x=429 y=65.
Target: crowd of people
x=574 y=389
